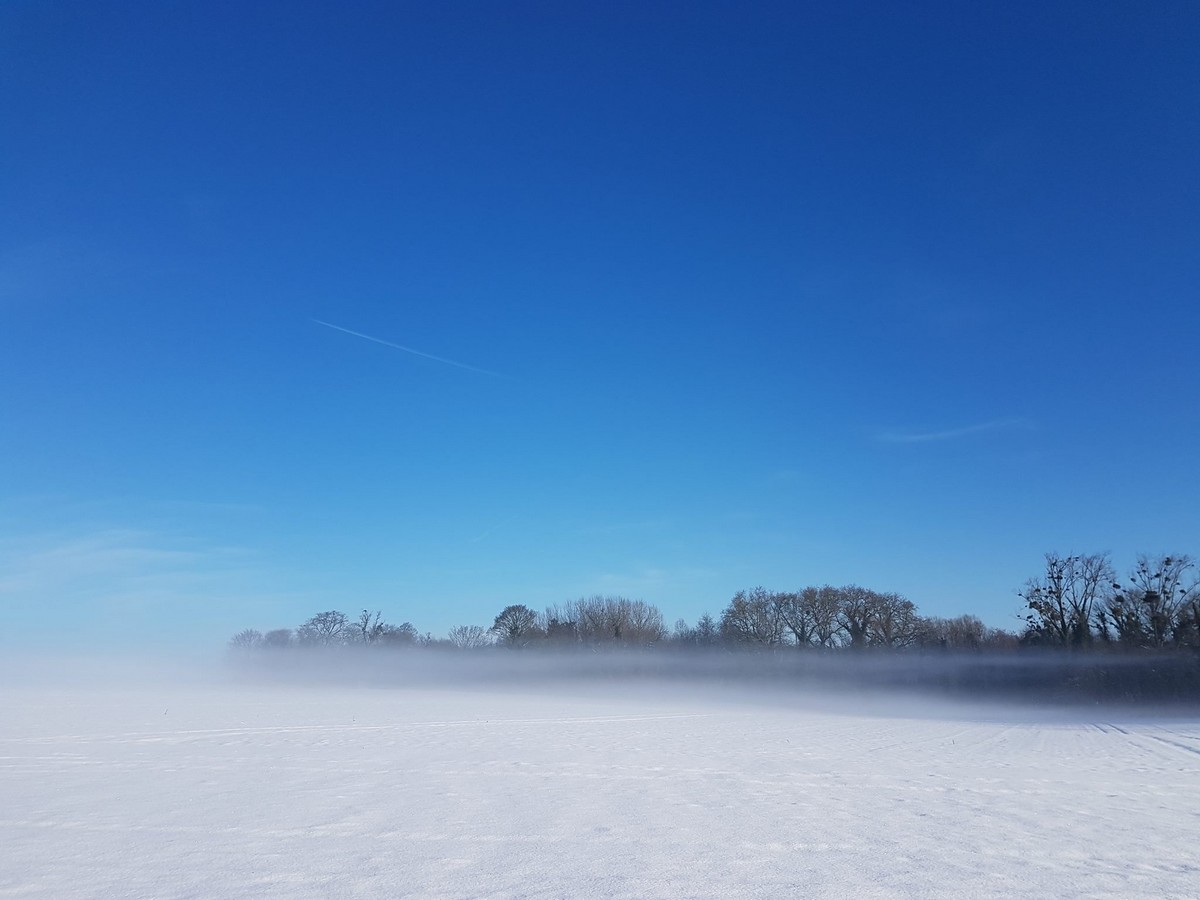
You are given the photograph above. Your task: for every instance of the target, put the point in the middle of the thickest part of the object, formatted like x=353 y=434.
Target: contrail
x=893 y=437
x=367 y=337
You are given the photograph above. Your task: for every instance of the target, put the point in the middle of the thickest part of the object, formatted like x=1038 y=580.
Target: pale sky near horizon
x=434 y=308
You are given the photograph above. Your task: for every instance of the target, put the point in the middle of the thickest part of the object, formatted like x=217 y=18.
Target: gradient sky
x=439 y=307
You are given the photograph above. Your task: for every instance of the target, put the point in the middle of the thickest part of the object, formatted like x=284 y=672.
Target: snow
x=187 y=790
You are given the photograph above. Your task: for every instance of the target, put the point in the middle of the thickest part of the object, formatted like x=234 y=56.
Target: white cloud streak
x=951 y=434
x=367 y=337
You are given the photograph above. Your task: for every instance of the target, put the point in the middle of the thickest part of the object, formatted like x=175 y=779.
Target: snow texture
x=259 y=792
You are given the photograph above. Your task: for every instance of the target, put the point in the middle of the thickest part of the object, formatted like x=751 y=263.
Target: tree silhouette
x=514 y=625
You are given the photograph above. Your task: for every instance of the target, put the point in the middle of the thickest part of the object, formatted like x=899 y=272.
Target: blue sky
x=703 y=296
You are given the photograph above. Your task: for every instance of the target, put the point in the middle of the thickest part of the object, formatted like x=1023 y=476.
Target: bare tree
x=560 y=626
x=515 y=625
x=826 y=603
x=682 y=633
x=708 y=631
x=966 y=633
x=591 y=618
x=247 y=640
x=643 y=622
x=368 y=628
x=1187 y=629
x=278 y=639
x=753 y=617
x=601 y=619
x=963 y=633
x=561 y=632
x=402 y=635
x=893 y=621
x=811 y=615
x=960 y=633
x=324 y=629
x=1061 y=602
x=428 y=641
x=469 y=637
x=1152 y=608
x=856 y=607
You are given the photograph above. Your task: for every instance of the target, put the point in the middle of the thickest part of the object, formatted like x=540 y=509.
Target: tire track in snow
x=1178 y=745
x=1137 y=739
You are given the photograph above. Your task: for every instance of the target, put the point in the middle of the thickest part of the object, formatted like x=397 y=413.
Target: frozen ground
x=227 y=792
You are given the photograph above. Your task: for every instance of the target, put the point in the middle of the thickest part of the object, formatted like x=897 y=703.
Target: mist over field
x=549 y=777
x=1056 y=679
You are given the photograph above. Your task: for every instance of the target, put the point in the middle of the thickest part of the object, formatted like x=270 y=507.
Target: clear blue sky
x=720 y=295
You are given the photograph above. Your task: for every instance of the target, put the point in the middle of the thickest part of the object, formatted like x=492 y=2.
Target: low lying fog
x=1025 y=687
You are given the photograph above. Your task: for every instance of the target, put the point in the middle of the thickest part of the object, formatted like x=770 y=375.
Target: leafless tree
x=643 y=622
x=826 y=603
x=960 y=633
x=515 y=625
x=402 y=635
x=367 y=628
x=591 y=618
x=558 y=623
x=1149 y=610
x=278 y=639
x=428 y=641
x=601 y=619
x=245 y=641
x=324 y=629
x=753 y=617
x=682 y=633
x=967 y=632
x=561 y=632
x=708 y=631
x=796 y=615
x=811 y=615
x=469 y=637
x=856 y=607
x=893 y=621
x=1062 y=601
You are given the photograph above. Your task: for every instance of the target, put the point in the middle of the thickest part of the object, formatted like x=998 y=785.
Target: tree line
x=1077 y=602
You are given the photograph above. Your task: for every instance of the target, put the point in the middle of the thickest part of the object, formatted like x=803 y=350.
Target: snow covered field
x=256 y=791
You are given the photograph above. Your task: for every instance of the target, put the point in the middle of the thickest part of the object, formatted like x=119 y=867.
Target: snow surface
x=179 y=791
